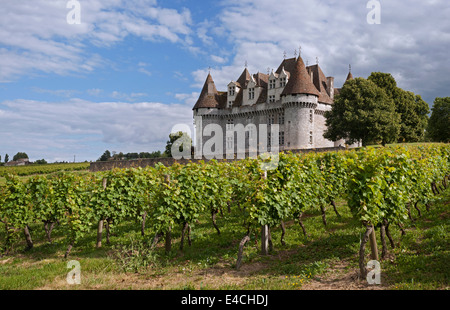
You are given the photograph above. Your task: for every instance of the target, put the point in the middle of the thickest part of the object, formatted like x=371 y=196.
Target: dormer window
x=271 y=98
x=251 y=93
x=271 y=84
x=282 y=82
x=232 y=90
x=230 y=104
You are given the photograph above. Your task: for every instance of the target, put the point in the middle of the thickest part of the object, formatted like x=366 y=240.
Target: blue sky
x=133 y=69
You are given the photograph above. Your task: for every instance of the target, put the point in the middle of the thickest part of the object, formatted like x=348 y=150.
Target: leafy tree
x=106 y=155
x=40 y=162
x=181 y=139
x=438 y=126
x=20 y=155
x=362 y=111
x=412 y=108
x=6 y=158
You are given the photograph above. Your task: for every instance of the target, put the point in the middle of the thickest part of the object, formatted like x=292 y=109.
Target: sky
x=120 y=75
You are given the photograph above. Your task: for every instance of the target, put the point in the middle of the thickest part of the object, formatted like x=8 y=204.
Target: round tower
x=300 y=99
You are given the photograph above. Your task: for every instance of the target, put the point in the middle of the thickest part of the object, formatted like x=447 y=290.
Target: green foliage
x=20 y=155
x=42 y=169
x=106 y=155
x=362 y=111
x=412 y=108
x=179 y=140
x=438 y=127
x=377 y=183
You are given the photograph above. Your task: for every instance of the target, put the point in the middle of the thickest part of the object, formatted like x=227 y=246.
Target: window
x=230 y=124
x=281 y=118
x=281 y=138
x=310 y=137
x=271 y=98
x=282 y=82
x=232 y=90
x=271 y=84
x=271 y=119
x=230 y=143
x=251 y=93
x=310 y=116
x=230 y=104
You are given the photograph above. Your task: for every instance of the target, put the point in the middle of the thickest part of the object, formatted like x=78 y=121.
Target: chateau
x=294 y=97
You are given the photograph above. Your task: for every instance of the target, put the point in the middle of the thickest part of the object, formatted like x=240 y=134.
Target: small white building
x=19 y=162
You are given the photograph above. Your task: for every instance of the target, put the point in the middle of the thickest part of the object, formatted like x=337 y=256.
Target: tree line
x=107 y=155
x=376 y=111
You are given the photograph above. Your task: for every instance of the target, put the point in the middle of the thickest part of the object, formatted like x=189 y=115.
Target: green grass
x=420 y=262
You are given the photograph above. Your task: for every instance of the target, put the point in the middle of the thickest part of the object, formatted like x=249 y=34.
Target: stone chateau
x=295 y=97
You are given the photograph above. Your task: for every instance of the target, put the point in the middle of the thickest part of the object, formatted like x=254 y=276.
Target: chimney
x=330 y=87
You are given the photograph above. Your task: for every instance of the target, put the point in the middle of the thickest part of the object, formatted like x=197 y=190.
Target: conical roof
x=300 y=81
x=209 y=97
x=244 y=78
x=349 y=76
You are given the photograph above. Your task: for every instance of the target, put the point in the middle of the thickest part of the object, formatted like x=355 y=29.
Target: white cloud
x=218 y=59
x=36 y=37
x=53 y=130
x=412 y=41
x=188 y=99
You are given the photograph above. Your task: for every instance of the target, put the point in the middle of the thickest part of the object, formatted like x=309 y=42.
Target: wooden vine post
x=265 y=232
x=369 y=236
x=373 y=244
x=168 y=235
x=100 y=223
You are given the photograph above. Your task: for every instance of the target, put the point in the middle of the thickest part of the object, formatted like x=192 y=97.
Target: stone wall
x=144 y=162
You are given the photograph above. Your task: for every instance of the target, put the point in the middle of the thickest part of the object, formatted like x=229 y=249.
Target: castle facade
x=294 y=97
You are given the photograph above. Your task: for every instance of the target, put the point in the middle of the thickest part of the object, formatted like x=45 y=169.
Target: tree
x=438 y=126
x=412 y=108
x=106 y=155
x=20 y=155
x=180 y=139
x=6 y=158
x=40 y=162
x=362 y=111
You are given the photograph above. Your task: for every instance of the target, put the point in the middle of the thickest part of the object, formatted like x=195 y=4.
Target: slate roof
x=300 y=81
x=209 y=99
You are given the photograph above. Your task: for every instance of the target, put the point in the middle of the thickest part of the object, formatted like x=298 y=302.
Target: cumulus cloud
x=44 y=129
x=412 y=41
x=35 y=36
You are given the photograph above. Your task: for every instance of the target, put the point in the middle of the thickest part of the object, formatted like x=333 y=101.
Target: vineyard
x=42 y=169
x=379 y=186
